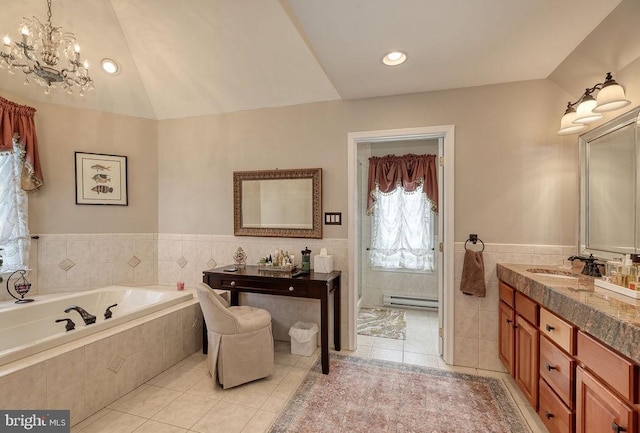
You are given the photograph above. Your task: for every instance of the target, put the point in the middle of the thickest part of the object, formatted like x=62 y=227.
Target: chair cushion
x=250 y=318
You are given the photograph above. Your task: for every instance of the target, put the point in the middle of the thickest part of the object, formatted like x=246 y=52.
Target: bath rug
x=368 y=395
x=382 y=322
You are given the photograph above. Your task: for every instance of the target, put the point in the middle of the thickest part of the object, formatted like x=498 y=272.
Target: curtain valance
x=409 y=171
x=19 y=119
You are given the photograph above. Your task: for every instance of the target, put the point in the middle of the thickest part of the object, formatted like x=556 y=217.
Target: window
x=402 y=231
x=14 y=234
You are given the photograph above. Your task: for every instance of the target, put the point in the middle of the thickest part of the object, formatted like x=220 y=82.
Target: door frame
x=446 y=136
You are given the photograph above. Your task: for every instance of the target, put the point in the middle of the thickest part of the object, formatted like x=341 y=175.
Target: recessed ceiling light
x=110 y=66
x=394 y=58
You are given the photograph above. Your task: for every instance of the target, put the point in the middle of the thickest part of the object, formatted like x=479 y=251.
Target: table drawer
x=506 y=294
x=527 y=308
x=558 y=331
x=557 y=369
x=293 y=288
x=554 y=414
x=620 y=374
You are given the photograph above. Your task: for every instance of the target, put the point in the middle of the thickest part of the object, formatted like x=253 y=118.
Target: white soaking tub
x=27 y=329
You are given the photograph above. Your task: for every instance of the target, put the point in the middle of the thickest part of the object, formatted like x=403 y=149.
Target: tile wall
x=476 y=319
x=84 y=261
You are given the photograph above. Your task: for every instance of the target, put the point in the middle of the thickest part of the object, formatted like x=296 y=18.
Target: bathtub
x=27 y=329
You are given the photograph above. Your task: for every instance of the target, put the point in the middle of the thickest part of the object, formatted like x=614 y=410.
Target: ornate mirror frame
x=314 y=174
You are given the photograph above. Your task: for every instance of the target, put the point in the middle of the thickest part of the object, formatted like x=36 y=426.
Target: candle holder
x=21 y=287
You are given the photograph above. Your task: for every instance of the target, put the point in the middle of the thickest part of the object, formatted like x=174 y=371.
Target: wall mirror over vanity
x=278 y=203
x=610 y=188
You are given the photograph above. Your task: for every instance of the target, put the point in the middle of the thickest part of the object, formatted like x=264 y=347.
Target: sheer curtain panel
x=14 y=232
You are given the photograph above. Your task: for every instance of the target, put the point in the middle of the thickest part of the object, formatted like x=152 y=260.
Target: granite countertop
x=610 y=317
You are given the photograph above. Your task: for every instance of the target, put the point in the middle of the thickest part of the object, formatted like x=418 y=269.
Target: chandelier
x=37 y=54
x=610 y=97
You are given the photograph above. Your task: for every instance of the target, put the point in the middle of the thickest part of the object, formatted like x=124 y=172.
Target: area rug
x=382 y=322
x=367 y=395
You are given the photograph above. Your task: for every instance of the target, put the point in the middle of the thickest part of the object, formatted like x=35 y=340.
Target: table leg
x=324 y=331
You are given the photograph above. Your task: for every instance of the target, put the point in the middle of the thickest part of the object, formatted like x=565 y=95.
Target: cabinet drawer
x=506 y=294
x=557 y=368
x=527 y=308
x=295 y=288
x=558 y=331
x=554 y=414
x=620 y=374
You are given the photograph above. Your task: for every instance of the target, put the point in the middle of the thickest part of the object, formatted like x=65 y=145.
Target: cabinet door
x=506 y=336
x=598 y=410
x=527 y=360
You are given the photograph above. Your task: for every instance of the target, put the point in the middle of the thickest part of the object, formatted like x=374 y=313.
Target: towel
x=473 y=274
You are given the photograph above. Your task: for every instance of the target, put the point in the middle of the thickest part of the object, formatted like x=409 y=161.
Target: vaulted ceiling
x=197 y=57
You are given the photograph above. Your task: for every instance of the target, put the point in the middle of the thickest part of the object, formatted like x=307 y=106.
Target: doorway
x=444 y=137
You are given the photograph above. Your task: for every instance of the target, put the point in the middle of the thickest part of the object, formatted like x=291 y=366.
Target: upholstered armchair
x=240 y=339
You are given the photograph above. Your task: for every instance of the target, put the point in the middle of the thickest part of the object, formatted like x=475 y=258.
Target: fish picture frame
x=101 y=179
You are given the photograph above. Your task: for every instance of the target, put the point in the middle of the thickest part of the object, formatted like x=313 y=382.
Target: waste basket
x=303 y=338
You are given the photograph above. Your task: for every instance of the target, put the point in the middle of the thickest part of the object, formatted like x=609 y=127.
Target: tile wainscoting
x=70 y=262
x=476 y=319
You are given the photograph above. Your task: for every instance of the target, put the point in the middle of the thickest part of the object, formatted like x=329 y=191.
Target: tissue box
x=323 y=264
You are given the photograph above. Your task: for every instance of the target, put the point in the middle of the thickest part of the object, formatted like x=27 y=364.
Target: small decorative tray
x=286 y=268
x=618 y=289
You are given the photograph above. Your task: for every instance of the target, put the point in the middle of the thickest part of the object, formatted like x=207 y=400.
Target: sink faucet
x=590 y=265
x=88 y=318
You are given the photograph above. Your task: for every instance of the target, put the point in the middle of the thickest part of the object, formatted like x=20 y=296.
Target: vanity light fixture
x=610 y=97
x=394 y=58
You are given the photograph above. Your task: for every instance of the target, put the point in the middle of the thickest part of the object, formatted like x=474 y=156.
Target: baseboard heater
x=409 y=302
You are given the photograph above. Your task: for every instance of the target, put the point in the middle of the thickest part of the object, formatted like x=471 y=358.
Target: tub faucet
x=88 y=318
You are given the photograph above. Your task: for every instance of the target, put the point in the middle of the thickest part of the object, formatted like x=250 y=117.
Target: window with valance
x=19 y=172
x=402 y=199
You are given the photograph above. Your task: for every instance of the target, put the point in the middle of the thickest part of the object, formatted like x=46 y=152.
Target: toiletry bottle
x=625 y=272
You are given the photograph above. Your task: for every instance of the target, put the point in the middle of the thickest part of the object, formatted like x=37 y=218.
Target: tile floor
x=182 y=399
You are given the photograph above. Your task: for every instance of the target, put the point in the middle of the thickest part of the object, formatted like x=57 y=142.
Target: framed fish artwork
x=101 y=179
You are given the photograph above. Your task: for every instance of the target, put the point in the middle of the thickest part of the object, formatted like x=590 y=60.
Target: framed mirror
x=609 y=188
x=278 y=203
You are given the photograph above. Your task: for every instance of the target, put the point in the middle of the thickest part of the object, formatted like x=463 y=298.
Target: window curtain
x=18 y=119
x=386 y=173
x=14 y=232
x=403 y=193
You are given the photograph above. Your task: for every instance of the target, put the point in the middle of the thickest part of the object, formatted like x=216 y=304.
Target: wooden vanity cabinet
x=607 y=389
x=506 y=328
x=526 y=348
x=518 y=340
x=575 y=383
x=557 y=373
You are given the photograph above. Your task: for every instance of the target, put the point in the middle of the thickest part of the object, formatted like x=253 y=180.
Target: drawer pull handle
x=616 y=428
x=233 y=284
x=291 y=288
x=547 y=414
x=509 y=321
x=549 y=328
x=550 y=367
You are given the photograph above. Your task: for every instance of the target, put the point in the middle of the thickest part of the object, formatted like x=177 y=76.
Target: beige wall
x=516 y=180
x=62 y=131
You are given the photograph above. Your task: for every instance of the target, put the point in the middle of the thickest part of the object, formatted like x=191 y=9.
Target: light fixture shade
x=585 y=112
x=567 y=126
x=611 y=97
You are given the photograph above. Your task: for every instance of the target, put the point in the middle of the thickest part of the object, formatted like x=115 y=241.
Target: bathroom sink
x=556 y=273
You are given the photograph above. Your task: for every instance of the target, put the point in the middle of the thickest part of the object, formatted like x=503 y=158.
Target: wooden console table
x=313 y=285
